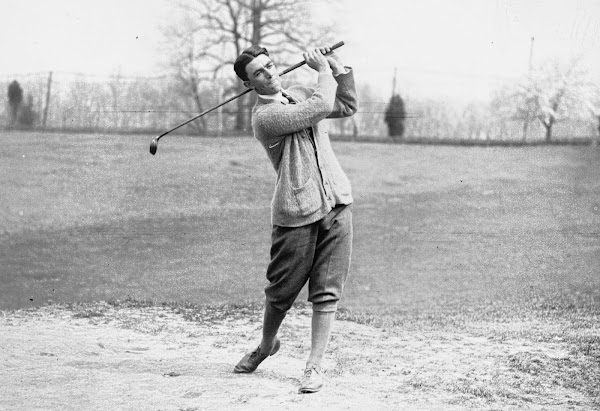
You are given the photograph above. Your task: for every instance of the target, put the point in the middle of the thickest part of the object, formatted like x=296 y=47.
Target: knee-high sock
x=271 y=322
x=322 y=324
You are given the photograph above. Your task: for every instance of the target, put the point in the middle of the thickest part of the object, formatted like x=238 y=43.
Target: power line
x=86 y=75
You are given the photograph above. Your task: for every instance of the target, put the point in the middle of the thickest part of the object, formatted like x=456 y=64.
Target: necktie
x=290 y=98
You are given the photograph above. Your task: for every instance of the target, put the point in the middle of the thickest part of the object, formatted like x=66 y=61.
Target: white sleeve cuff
x=346 y=71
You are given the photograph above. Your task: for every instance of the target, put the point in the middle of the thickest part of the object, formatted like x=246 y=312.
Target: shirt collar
x=274 y=97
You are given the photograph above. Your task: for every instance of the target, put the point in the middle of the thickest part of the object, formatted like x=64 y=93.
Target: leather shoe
x=312 y=381
x=251 y=361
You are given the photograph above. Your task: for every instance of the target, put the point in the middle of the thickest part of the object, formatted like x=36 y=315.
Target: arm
x=277 y=120
x=346 y=100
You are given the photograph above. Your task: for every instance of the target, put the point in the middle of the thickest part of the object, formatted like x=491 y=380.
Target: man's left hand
x=337 y=67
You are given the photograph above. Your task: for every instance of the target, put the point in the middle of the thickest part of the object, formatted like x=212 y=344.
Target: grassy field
x=481 y=265
x=90 y=217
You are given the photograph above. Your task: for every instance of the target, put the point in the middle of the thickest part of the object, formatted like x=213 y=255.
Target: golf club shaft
x=294 y=67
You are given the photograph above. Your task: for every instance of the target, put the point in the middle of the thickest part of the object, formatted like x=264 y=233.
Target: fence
x=81 y=102
x=74 y=101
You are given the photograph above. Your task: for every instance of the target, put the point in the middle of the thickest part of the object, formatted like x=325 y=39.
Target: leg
x=322 y=323
x=271 y=322
x=328 y=277
x=292 y=252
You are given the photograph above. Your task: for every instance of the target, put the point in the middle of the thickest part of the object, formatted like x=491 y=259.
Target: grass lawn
x=89 y=217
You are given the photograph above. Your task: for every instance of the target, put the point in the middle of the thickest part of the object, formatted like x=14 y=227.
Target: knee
x=279 y=307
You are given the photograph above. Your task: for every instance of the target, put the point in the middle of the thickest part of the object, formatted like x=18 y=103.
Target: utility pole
x=531 y=53
x=528 y=103
x=394 y=81
x=47 y=100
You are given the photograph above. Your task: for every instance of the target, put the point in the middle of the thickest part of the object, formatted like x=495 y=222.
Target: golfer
x=310 y=211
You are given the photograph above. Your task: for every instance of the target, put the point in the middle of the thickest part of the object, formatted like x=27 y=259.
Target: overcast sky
x=439 y=47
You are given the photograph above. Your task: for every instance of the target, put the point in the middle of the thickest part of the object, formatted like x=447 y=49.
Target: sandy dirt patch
x=152 y=358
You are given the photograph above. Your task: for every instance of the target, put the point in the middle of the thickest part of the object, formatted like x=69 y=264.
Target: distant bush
x=395 y=116
x=20 y=115
x=15 y=99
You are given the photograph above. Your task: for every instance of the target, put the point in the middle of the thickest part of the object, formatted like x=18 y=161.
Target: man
x=310 y=210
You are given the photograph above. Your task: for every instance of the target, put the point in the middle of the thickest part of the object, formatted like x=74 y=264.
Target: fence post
x=48 y=88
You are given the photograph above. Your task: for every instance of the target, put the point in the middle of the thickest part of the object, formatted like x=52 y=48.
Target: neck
x=278 y=93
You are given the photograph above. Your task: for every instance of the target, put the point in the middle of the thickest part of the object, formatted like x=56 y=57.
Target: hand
x=316 y=61
x=334 y=60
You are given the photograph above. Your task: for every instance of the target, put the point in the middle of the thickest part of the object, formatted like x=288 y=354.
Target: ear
x=248 y=84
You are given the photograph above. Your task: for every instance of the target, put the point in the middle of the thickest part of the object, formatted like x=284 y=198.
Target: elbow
x=349 y=108
x=353 y=108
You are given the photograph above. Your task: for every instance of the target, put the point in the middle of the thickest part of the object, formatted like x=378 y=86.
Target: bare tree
x=371 y=114
x=116 y=88
x=431 y=119
x=189 y=75
x=210 y=34
x=474 y=122
x=592 y=102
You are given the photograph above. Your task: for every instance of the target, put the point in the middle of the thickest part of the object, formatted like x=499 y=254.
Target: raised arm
x=346 y=100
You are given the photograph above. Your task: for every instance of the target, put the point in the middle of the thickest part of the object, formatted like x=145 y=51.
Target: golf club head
x=153 y=146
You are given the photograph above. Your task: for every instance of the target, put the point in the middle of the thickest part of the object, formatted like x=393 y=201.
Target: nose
x=270 y=72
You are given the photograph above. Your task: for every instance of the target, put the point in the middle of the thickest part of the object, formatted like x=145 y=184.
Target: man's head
x=257 y=70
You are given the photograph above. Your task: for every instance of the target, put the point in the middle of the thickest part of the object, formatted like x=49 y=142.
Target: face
x=262 y=75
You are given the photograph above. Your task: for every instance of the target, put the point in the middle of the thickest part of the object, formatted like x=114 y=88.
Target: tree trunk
x=548 y=126
x=548 y=132
x=194 y=86
x=240 y=116
x=256 y=22
x=525 y=128
x=242 y=121
x=597 y=140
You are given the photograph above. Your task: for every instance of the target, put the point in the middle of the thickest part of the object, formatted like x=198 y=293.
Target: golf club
x=154 y=143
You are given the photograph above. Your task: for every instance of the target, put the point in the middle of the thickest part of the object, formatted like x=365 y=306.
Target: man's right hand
x=317 y=61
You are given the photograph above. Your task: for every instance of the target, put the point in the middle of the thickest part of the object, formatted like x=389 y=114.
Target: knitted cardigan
x=310 y=180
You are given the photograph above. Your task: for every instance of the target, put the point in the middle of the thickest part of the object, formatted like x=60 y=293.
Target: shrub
x=15 y=99
x=395 y=116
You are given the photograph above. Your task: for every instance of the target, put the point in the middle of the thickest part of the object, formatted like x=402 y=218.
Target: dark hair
x=245 y=58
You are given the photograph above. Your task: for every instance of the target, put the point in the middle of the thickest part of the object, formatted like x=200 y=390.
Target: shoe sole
x=309 y=390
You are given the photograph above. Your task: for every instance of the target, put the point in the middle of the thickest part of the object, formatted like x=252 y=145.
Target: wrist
x=338 y=69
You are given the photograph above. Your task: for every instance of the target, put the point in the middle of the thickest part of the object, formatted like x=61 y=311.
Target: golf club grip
x=295 y=66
